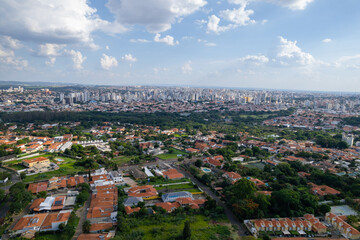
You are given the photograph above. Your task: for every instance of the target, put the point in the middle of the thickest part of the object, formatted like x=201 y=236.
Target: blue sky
x=280 y=44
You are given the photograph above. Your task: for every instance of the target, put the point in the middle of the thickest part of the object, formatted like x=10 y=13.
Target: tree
x=2 y=195
x=187 y=231
x=22 y=175
x=324 y=208
x=86 y=226
x=62 y=226
x=199 y=163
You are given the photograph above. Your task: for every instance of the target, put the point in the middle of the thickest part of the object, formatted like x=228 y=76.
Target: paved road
x=81 y=212
x=234 y=221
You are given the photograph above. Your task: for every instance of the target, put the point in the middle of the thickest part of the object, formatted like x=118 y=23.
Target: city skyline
x=259 y=44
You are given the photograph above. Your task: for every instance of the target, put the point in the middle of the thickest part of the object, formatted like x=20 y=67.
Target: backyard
x=173 y=155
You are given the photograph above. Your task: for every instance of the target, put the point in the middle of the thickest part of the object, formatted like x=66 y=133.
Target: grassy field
x=67 y=168
x=172 y=155
x=172 y=226
x=122 y=160
x=180 y=187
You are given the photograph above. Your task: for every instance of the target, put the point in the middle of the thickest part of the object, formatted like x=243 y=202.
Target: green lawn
x=67 y=168
x=16 y=167
x=120 y=160
x=171 y=227
x=172 y=155
x=185 y=187
x=160 y=181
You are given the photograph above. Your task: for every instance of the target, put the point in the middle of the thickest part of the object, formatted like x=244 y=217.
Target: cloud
x=51 y=21
x=207 y=43
x=237 y=17
x=50 y=49
x=108 y=62
x=7 y=54
x=9 y=42
x=289 y=52
x=213 y=25
x=186 y=67
x=291 y=4
x=139 y=40
x=169 y=40
x=156 y=15
x=51 y=61
x=160 y=70
x=128 y=58
x=240 y=16
x=77 y=58
x=327 y=40
x=256 y=59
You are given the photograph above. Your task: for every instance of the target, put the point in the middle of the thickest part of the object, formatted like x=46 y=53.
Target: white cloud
x=327 y=40
x=291 y=4
x=51 y=61
x=77 y=58
x=50 y=49
x=213 y=25
x=155 y=15
x=169 y=40
x=290 y=52
x=17 y=62
x=139 y=40
x=9 y=42
x=51 y=21
x=240 y=16
x=256 y=59
x=160 y=70
x=237 y=17
x=107 y=47
x=207 y=43
x=7 y=55
x=128 y=58
x=108 y=62
x=186 y=67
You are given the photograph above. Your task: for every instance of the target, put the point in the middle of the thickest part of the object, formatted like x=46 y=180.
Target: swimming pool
x=206 y=170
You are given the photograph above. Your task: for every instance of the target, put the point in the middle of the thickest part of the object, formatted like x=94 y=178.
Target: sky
x=272 y=44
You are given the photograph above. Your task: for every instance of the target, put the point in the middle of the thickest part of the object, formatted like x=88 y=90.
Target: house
x=339 y=224
x=33 y=162
x=137 y=174
x=116 y=176
x=142 y=191
x=53 y=220
x=37 y=187
x=213 y=162
x=232 y=176
x=323 y=190
x=42 y=222
x=172 y=197
x=103 y=206
x=172 y=174
x=168 y=206
x=130 y=210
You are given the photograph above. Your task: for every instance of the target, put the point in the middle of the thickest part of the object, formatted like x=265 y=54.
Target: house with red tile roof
x=142 y=191
x=323 y=190
x=232 y=176
x=172 y=174
x=338 y=223
x=37 y=187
